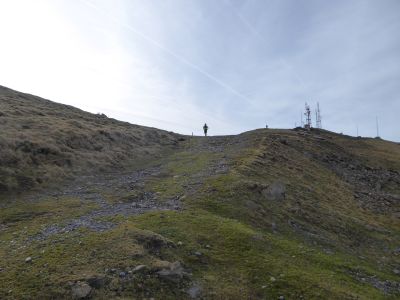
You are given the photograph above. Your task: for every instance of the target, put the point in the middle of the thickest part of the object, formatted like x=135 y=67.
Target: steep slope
x=266 y=214
x=42 y=140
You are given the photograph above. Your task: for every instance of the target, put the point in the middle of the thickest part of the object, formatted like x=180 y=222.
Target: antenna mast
x=318 y=119
x=377 y=127
x=308 y=117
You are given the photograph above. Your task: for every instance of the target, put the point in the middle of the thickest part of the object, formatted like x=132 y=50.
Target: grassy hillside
x=41 y=140
x=267 y=214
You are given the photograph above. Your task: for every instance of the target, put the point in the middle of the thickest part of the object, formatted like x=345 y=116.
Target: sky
x=235 y=64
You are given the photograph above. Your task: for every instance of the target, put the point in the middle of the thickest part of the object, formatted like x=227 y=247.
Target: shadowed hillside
x=41 y=140
x=267 y=214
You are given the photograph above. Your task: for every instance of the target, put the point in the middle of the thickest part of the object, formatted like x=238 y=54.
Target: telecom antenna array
x=308 y=117
x=318 y=118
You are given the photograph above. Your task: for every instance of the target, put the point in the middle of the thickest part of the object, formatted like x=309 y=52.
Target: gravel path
x=129 y=188
x=85 y=188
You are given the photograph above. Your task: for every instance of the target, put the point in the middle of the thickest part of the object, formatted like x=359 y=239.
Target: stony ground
x=127 y=191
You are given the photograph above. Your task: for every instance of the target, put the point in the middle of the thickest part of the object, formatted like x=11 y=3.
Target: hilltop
x=266 y=214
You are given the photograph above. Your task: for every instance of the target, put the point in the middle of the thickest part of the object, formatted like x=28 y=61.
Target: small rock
x=284 y=142
x=396 y=271
x=139 y=268
x=208 y=246
x=81 y=290
x=98 y=281
x=159 y=265
x=281 y=298
x=176 y=267
x=179 y=243
x=264 y=287
x=122 y=274
x=28 y=259
x=272 y=279
x=195 y=291
x=198 y=253
x=175 y=272
x=276 y=191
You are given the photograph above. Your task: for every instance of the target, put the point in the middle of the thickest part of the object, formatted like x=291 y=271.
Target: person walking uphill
x=205 y=128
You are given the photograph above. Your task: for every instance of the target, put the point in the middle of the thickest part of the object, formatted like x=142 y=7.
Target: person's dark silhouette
x=205 y=128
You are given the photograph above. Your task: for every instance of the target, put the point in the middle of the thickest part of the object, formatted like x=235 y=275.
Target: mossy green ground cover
x=236 y=242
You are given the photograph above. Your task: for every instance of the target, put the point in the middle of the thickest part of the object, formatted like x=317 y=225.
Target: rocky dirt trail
x=220 y=148
x=129 y=188
x=92 y=189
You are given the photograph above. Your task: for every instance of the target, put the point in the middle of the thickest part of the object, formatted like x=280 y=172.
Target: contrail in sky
x=171 y=53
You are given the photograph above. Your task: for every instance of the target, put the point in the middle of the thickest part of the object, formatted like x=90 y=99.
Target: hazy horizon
x=237 y=65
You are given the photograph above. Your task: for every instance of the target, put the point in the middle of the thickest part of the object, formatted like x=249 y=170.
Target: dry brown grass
x=42 y=141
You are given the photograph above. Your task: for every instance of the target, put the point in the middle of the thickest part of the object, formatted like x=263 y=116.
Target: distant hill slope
x=41 y=140
x=266 y=214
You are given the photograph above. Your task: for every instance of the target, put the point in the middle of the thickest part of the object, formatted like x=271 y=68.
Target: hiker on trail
x=205 y=128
